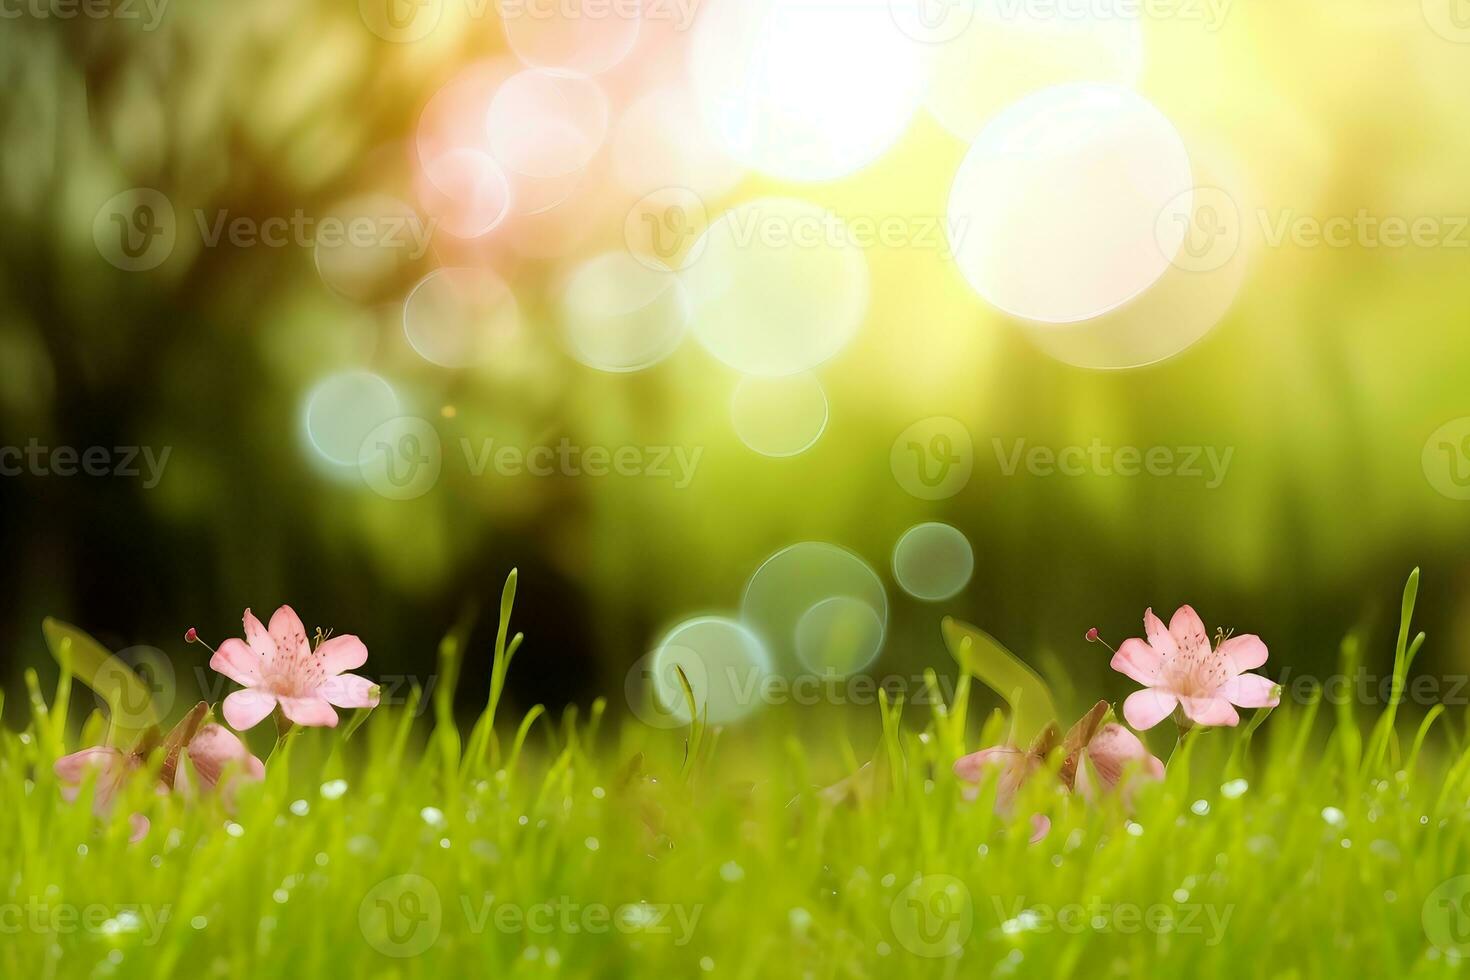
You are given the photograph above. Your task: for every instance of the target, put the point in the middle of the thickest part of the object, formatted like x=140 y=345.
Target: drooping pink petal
x=1245 y=652
x=1250 y=691
x=341 y=653
x=74 y=768
x=971 y=768
x=259 y=639
x=112 y=766
x=289 y=636
x=238 y=662
x=1211 y=712
x=139 y=825
x=309 y=711
x=1146 y=708
x=1138 y=660
x=1040 y=827
x=1158 y=634
x=248 y=708
x=1188 y=631
x=1112 y=751
x=213 y=748
x=350 y=691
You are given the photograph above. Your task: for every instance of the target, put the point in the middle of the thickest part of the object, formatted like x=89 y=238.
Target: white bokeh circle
x=1055 y=214
x=804 y=90
x=778 y=287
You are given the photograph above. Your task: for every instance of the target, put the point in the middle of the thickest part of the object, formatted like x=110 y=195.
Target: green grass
x=1316 y=845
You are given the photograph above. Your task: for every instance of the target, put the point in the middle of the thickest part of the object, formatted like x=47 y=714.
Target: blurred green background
x=1326 y=378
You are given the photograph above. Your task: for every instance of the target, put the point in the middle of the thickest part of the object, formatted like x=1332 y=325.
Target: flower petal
x=1188 y=631
x=213 y=748
x=1250 y=691
x=1158 y=634
x=139 y=825
x=972 y=767
x=237 y=661
x=1245 y=652
x=349 y=691
x=1040 y=827
x=73 y=768
x=1113 y=751
x=246 y=709
x=342 y=653
x=313 y=712
x=1211 y=712
x=289 y=635
x=259 y=638
x=1138 y=660
x=1146 y=708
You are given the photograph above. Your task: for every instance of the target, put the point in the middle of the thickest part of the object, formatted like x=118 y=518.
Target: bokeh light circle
x=1056 y=210
x=542 y=124
x=341 y=411
x=779 y=416
x=805 y=91
x=778 y=287
x=1195 y=293
x=465 y=191
x=457 y=317
x=725 y=663
x=383 y=239
x=618 y=315
x=839 y=636
x=661 y=140
x=583 y=36
x=933 y=561
x=1009 y=50
x=786 y=587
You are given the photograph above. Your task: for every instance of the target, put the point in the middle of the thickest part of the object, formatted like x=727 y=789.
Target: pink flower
x=1097 y=756
x=1108 y=755
x=1176 y=666
x=1011 y=765
x=279 y=667
x=113 y=768
x=211 y=751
